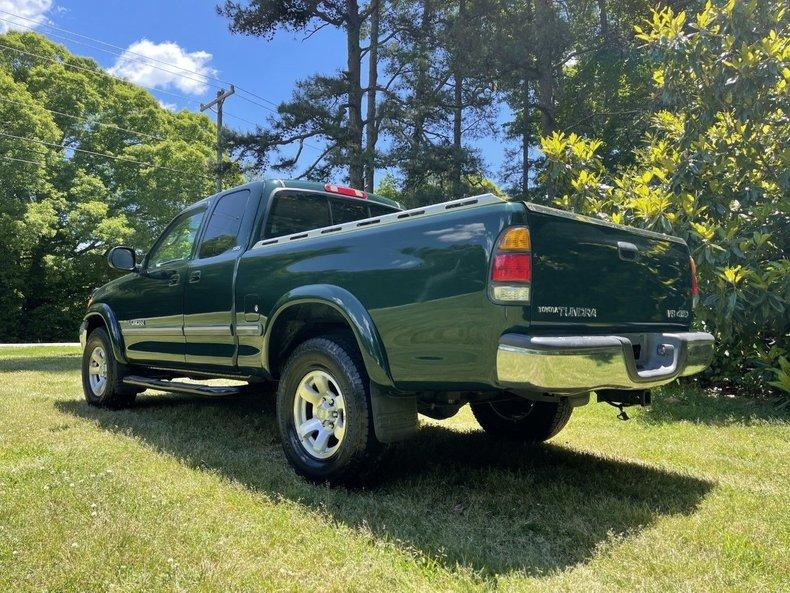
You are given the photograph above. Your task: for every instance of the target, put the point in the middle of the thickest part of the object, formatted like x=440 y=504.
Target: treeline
x=86 y=162
x=423 y=79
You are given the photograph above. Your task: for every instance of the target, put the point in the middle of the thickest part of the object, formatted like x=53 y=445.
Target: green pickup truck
x=364 y=315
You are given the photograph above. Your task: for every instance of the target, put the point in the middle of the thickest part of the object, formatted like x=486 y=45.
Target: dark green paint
x=414 y=293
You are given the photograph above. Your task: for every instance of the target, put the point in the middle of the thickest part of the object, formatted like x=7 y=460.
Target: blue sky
x=190 y=34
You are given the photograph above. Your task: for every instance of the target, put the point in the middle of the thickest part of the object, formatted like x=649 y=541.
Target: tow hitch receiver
x=621 y=398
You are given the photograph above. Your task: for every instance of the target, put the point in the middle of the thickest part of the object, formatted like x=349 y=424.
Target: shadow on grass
x=700 y=407
x=458 y=499
x=41 y=364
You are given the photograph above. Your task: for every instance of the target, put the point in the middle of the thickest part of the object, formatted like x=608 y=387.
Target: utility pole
x=221 y=96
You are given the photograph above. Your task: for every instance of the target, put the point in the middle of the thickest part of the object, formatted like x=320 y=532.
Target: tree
x=713 y=169
x=313 y=111
x=87 y=162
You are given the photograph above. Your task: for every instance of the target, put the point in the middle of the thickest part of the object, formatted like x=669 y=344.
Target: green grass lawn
x=193 y=494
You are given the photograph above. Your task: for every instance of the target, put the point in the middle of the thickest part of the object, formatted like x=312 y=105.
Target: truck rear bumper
x=575 y=364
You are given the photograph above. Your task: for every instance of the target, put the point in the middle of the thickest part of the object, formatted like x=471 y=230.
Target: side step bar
x=176 y=387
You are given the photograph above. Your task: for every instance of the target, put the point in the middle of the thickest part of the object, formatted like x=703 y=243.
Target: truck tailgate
x=592 y=272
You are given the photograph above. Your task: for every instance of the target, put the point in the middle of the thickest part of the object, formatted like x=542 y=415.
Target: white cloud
x=29 y=12
x=132 y=66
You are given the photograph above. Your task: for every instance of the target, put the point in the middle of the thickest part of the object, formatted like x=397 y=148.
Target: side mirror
x=122 y=258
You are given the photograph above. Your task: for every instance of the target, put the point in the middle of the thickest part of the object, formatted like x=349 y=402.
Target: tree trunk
x=420 y=92
x=545 y=26
x=354 y=144
x=372 y=132
x=457 y=121
x=604 y=20
x=458 y=98
x=525 y=139
x=544 y=15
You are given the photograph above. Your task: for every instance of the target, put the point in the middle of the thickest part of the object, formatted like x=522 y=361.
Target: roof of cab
x=267 y=185
x=317 y=186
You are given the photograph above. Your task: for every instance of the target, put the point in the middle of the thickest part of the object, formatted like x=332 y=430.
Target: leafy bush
x=713 y=169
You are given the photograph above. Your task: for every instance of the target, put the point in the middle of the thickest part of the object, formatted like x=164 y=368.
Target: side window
x=348 y=210
x=222 y=231
x=295 y=213
x=177 y=241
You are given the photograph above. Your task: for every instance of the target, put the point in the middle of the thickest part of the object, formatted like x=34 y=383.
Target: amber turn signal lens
x=516 y=239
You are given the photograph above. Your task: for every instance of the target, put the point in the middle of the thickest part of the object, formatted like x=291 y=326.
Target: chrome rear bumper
x=575 y=364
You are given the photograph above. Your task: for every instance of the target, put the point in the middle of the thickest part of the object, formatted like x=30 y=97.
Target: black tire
x=354 y=457
x=114 y=393
x=521 y=419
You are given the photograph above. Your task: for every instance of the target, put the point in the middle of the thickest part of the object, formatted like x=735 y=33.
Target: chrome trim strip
x=387 y=219
x=249 y=329
x=575 y=364
x=207 y=330
x=153 y=331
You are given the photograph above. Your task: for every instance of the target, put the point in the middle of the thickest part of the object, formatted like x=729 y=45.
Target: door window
x=177 y=241
x=295 y=213
x=222 y=232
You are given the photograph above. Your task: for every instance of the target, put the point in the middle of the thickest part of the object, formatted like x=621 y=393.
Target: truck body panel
x=423 y=281
x=590 y=273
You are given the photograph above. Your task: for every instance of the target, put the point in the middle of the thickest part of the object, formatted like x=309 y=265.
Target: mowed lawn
x=193 y=494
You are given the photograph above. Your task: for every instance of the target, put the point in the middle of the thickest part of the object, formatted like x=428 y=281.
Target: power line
x=114 y=53
x=100 y=154
x=95 y=71
x=111 y=126
x=10 y=158
x=149 y=58
x=101 y=72
x=241 y=119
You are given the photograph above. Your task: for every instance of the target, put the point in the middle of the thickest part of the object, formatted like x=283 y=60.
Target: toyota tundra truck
x=365 y=315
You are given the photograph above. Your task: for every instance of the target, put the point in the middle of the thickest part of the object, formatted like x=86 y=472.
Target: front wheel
x=324 y=413
x=521 y=419
x=102 y=375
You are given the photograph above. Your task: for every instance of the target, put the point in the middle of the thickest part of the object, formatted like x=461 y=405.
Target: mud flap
x=394 y=418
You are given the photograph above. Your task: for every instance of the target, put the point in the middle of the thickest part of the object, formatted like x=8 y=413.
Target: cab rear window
x=297 y=213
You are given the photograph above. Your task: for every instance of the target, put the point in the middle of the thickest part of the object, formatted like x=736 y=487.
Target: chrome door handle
x=175 y=279
x=194 y=276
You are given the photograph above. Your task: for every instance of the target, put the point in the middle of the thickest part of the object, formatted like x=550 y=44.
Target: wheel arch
x=317 y=309
x=101 y=315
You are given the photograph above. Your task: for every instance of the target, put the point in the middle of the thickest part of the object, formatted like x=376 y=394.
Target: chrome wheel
x=319 y=414
x=97 y=371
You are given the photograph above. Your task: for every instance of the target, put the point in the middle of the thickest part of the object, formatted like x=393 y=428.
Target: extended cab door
x=150 y=310
x=208 y=298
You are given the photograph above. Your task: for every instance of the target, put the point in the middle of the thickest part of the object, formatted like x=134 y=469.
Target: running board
x=176 y=387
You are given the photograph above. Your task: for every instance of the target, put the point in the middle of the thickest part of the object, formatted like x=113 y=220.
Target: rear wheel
x=324 y=413
x=102 y=375
x=521 y=419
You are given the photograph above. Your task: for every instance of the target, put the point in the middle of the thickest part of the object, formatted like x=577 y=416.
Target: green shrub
x=713 y=169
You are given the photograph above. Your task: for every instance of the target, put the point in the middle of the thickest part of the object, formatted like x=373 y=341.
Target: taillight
x=694 y=285
x=511 y=268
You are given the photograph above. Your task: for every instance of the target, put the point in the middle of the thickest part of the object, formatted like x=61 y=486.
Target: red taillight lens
x=694 y=286
x=512 y=267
